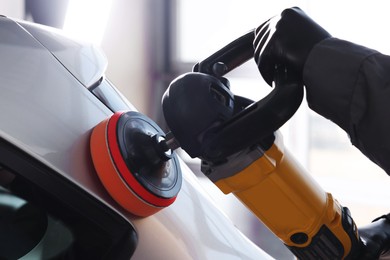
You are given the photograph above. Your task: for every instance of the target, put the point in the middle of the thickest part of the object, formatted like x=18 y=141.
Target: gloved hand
x=286 y=40
x=376 y=237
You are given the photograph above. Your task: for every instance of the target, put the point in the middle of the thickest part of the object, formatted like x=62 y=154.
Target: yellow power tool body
x=242 y=152
x=279 y=191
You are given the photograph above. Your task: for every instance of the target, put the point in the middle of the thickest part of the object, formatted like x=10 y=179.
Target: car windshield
x=37 y=223
x=29 y=232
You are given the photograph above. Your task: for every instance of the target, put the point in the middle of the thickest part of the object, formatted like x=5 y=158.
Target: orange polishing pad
x=134 y=170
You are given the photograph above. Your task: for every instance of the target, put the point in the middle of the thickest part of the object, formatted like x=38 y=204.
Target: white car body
x=52 y=94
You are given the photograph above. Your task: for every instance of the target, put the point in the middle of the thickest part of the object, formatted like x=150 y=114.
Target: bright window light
x=87 y=19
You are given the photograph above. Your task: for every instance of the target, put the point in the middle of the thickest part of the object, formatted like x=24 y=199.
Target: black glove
x=376 y=238
x=286 y=40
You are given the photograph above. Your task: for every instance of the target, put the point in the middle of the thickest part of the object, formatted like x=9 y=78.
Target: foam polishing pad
x=138 y=174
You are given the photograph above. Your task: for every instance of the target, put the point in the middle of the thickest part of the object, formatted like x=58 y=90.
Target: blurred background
x=150 y=42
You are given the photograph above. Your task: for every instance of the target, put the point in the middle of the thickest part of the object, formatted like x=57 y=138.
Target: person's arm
x=345 y=82
x=350 y=85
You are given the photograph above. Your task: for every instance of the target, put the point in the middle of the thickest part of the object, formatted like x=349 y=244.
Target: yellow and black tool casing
x=310 y=222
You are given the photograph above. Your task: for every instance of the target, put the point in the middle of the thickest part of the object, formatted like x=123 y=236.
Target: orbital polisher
x=241 y=152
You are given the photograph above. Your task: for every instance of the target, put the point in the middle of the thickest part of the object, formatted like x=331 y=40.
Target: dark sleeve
x=350 y=85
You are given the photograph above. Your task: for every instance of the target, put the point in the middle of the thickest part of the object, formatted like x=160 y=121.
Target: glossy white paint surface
x=84 y=60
